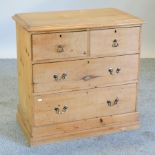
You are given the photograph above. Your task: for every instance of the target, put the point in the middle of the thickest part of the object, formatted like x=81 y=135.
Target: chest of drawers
x=78 y=73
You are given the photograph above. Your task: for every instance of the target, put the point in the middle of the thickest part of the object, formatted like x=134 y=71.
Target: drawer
x=82 y=74
x=113 y=42
x=77 y=105
x=59 y=45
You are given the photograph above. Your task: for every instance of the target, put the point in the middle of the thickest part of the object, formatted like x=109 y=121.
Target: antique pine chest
x=78 y=73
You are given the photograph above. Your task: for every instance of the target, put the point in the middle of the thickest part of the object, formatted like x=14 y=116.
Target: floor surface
x=139 y=142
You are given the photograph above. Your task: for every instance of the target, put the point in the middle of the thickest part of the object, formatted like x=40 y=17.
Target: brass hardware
x=115 y=43
x=118 y=70
x=111 y=71
x=65 y=108
x=110 y=103
x=116 y=101
x=58 y=111
x=56 y=77
x=64 y=75
x=60 y=49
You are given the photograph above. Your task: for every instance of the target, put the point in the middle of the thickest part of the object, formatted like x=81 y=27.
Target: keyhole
x=115 y=31
x=60 y=35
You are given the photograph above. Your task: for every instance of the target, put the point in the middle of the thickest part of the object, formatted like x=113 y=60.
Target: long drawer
x=82 y=74
x=77 y=105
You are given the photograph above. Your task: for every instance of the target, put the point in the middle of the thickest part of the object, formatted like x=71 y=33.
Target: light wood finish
x=101 y=41
x=25 y=74
x=79 y=19
x=84 y=104
x=77 y=73
x=46 y=46
x=82 y=128
x=82 y=74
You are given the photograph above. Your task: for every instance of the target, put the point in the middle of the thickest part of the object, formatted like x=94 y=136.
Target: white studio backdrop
x=144 y=9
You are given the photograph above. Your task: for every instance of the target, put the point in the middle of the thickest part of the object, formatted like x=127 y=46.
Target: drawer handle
x=115 y=43
x=112 y=103
x=62 y=77
x=60 y=49
x=118 y=70
x=111 y=70
x=58 y=110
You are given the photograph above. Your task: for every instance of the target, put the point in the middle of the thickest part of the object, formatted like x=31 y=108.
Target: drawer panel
x=112 y=42
x=102 y=123
x=59 y=45
x=82 y=74
x=77 y=105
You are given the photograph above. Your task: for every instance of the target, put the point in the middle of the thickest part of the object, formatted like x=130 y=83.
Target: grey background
x=144 y=9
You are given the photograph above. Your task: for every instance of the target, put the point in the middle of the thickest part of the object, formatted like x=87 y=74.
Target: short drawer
x=59 y=45
x=77 y=105
x=111 y=42
x=82 y=74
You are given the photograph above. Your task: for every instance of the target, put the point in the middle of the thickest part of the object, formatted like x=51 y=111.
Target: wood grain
x=78 y=19
x=24 y=74
x=101 y=41
x=87 y=86
x=45 y=46
x=84 y=104
x=82 y=74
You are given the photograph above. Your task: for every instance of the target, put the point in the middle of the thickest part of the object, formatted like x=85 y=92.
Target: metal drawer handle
x=60 y=49
x=62 y=77
x=115 y=43
x=58 y=110
x=110 y=103
x=111 y=70
x=118 y=70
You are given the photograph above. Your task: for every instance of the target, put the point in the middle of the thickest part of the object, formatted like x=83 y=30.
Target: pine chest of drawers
x=78 y=73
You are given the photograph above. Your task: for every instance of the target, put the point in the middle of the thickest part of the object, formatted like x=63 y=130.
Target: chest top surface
x=79 y=19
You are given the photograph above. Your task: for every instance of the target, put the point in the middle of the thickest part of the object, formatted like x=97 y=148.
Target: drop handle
x=112 y=103
x=112 y=71
x=60 y=49
x=60 y=110
x=118 y=70
x=61 y=77
x=115 y=43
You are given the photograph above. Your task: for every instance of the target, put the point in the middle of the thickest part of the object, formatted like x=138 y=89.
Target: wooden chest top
x=79 y=19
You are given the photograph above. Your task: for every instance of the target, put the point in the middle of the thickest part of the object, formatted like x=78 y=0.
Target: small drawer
x=59 y=45
x=77 y=105
x=111 y=42
x=82 y=74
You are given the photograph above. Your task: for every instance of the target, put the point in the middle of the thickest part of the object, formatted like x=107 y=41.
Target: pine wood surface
x=78 y=19
x=83 y=60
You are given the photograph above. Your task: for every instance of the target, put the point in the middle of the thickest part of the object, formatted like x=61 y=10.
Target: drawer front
x=82 y=74
x=77 y=105
x=59 y=45
x=114 y=41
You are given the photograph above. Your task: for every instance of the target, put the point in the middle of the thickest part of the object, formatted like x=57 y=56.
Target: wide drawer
x=82 y=74
x=112 y=42
x=59 y=45
x=77 y=105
